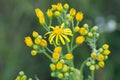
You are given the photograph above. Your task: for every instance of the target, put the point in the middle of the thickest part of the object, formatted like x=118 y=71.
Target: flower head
x=28 y=41
x=69 y=56
x=80 y=39
x=49 y=13
x=72 y=11
x=60 y=34
x=79 y=16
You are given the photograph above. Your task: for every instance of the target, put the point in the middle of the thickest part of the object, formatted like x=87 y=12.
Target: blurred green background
x=18 y=19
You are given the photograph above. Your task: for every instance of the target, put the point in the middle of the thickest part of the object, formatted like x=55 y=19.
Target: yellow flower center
x=58 y=31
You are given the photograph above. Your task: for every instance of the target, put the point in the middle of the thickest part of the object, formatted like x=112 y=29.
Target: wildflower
x=79 y=16
x=49 y=13
x=40 y=16
x=105 y=46
x=62 y=61
x=52 y=67
x=54 y=7
x=69 y=56
x=92 y=67
x=60 y=75
x=57 y=49
x=56 y=55
x=93 y=55
x=33 y=52
x=77 y=29
x=72 y=11
x=28 y=41
x=66 y=6
x=59 y=33
x=59 y=65
x=88 y=63
x=89 y=34
x=65 y=68
x=59 y=7
x=95 y=28
x=37 y=40
x=80 y=39
x=101 y=64
x=107 y=52
x=100 y=57
x=83 y=31
x=57 y=13
x=43 y=43
x=35 y=34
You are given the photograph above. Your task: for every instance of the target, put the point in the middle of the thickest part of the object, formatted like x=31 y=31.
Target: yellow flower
x=54 y=7
x=66 y=6
x=72 y=11
x=80 y=39
x=56 y=55
x=77 y=29
x=59 y=7
x=57 y=13
x=40 y=16
x=33 y=52
x=37 y=40
x=65 y=68
x=57 y=49
x=49 y=13
x=18 y=78
x=79 y=16
x=101 y=64
x=28 y=41
x=52 y=67
x=60 y=75
x=101 y=57
x=43 y=43
x=106 y=52
x=93 y=55
x=59 y=33
x=83 y=31
x=105 y=46
x=92 y=67
x=69 y=56
x=35 y=34
x=59 y=65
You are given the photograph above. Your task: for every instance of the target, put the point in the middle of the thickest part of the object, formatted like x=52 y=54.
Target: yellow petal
x=51 y=39
x=66 y=38
x=62 y=40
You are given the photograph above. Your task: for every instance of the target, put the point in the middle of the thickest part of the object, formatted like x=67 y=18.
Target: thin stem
x=68 y=48
x=50 y=22
x=49 y=50
x=49 y=57
x=92 y=75
x=75 y=46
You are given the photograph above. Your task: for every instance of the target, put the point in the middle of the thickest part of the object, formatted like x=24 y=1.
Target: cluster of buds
x=97 y=58
x=36 y=44
x=22 y=76
x=60 y=65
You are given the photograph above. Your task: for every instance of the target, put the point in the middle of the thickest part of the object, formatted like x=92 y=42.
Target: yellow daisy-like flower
x=69 y=56
x=35 y=34
x=105 y=46
x=28 y=41
x=93 y=55
x=56 y=55
x=43 y=43
x=101 y=64
x=59 y=65
x=58 y=49
x=79 y=16
x=52 y=67
x=80 y=40
x=59 y=7
x=49 y=13
x=33 y=52
x=101 y=57
x=59 y=33
x=83 y=31
x=72 y=11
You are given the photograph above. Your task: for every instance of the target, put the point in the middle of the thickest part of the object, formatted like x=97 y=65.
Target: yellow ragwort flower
x=101 y=64
x=101 y=57
x=92 y=67
x=72 y=11
x=77 y=28
x=49 y=13
x=52 y=67
x=60 y=75
x=43 y=43
x=54 y=7
x=105 y=46
x=80 y=39
x=40 y=16
x=55 y=55
x=65 y=68
x=59 y=65
x=83 y=31
x=69 y=56
x=59 y=7
x=35 y=34
x=33 y=52
x=93 y=55
x=57 y=49
x=66 y=6
x=106 y=52
x=37 y=41
x=56 y=13
x=79 y=16
x=59 y=33
x=28 y=41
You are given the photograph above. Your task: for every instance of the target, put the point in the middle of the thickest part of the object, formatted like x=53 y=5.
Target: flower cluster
x=65 y=36
x=22 y=76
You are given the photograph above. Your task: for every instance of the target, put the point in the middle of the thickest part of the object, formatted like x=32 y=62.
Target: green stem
x=49 y=50
x=49 y=57
x=92 y=75
x=68 y=48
